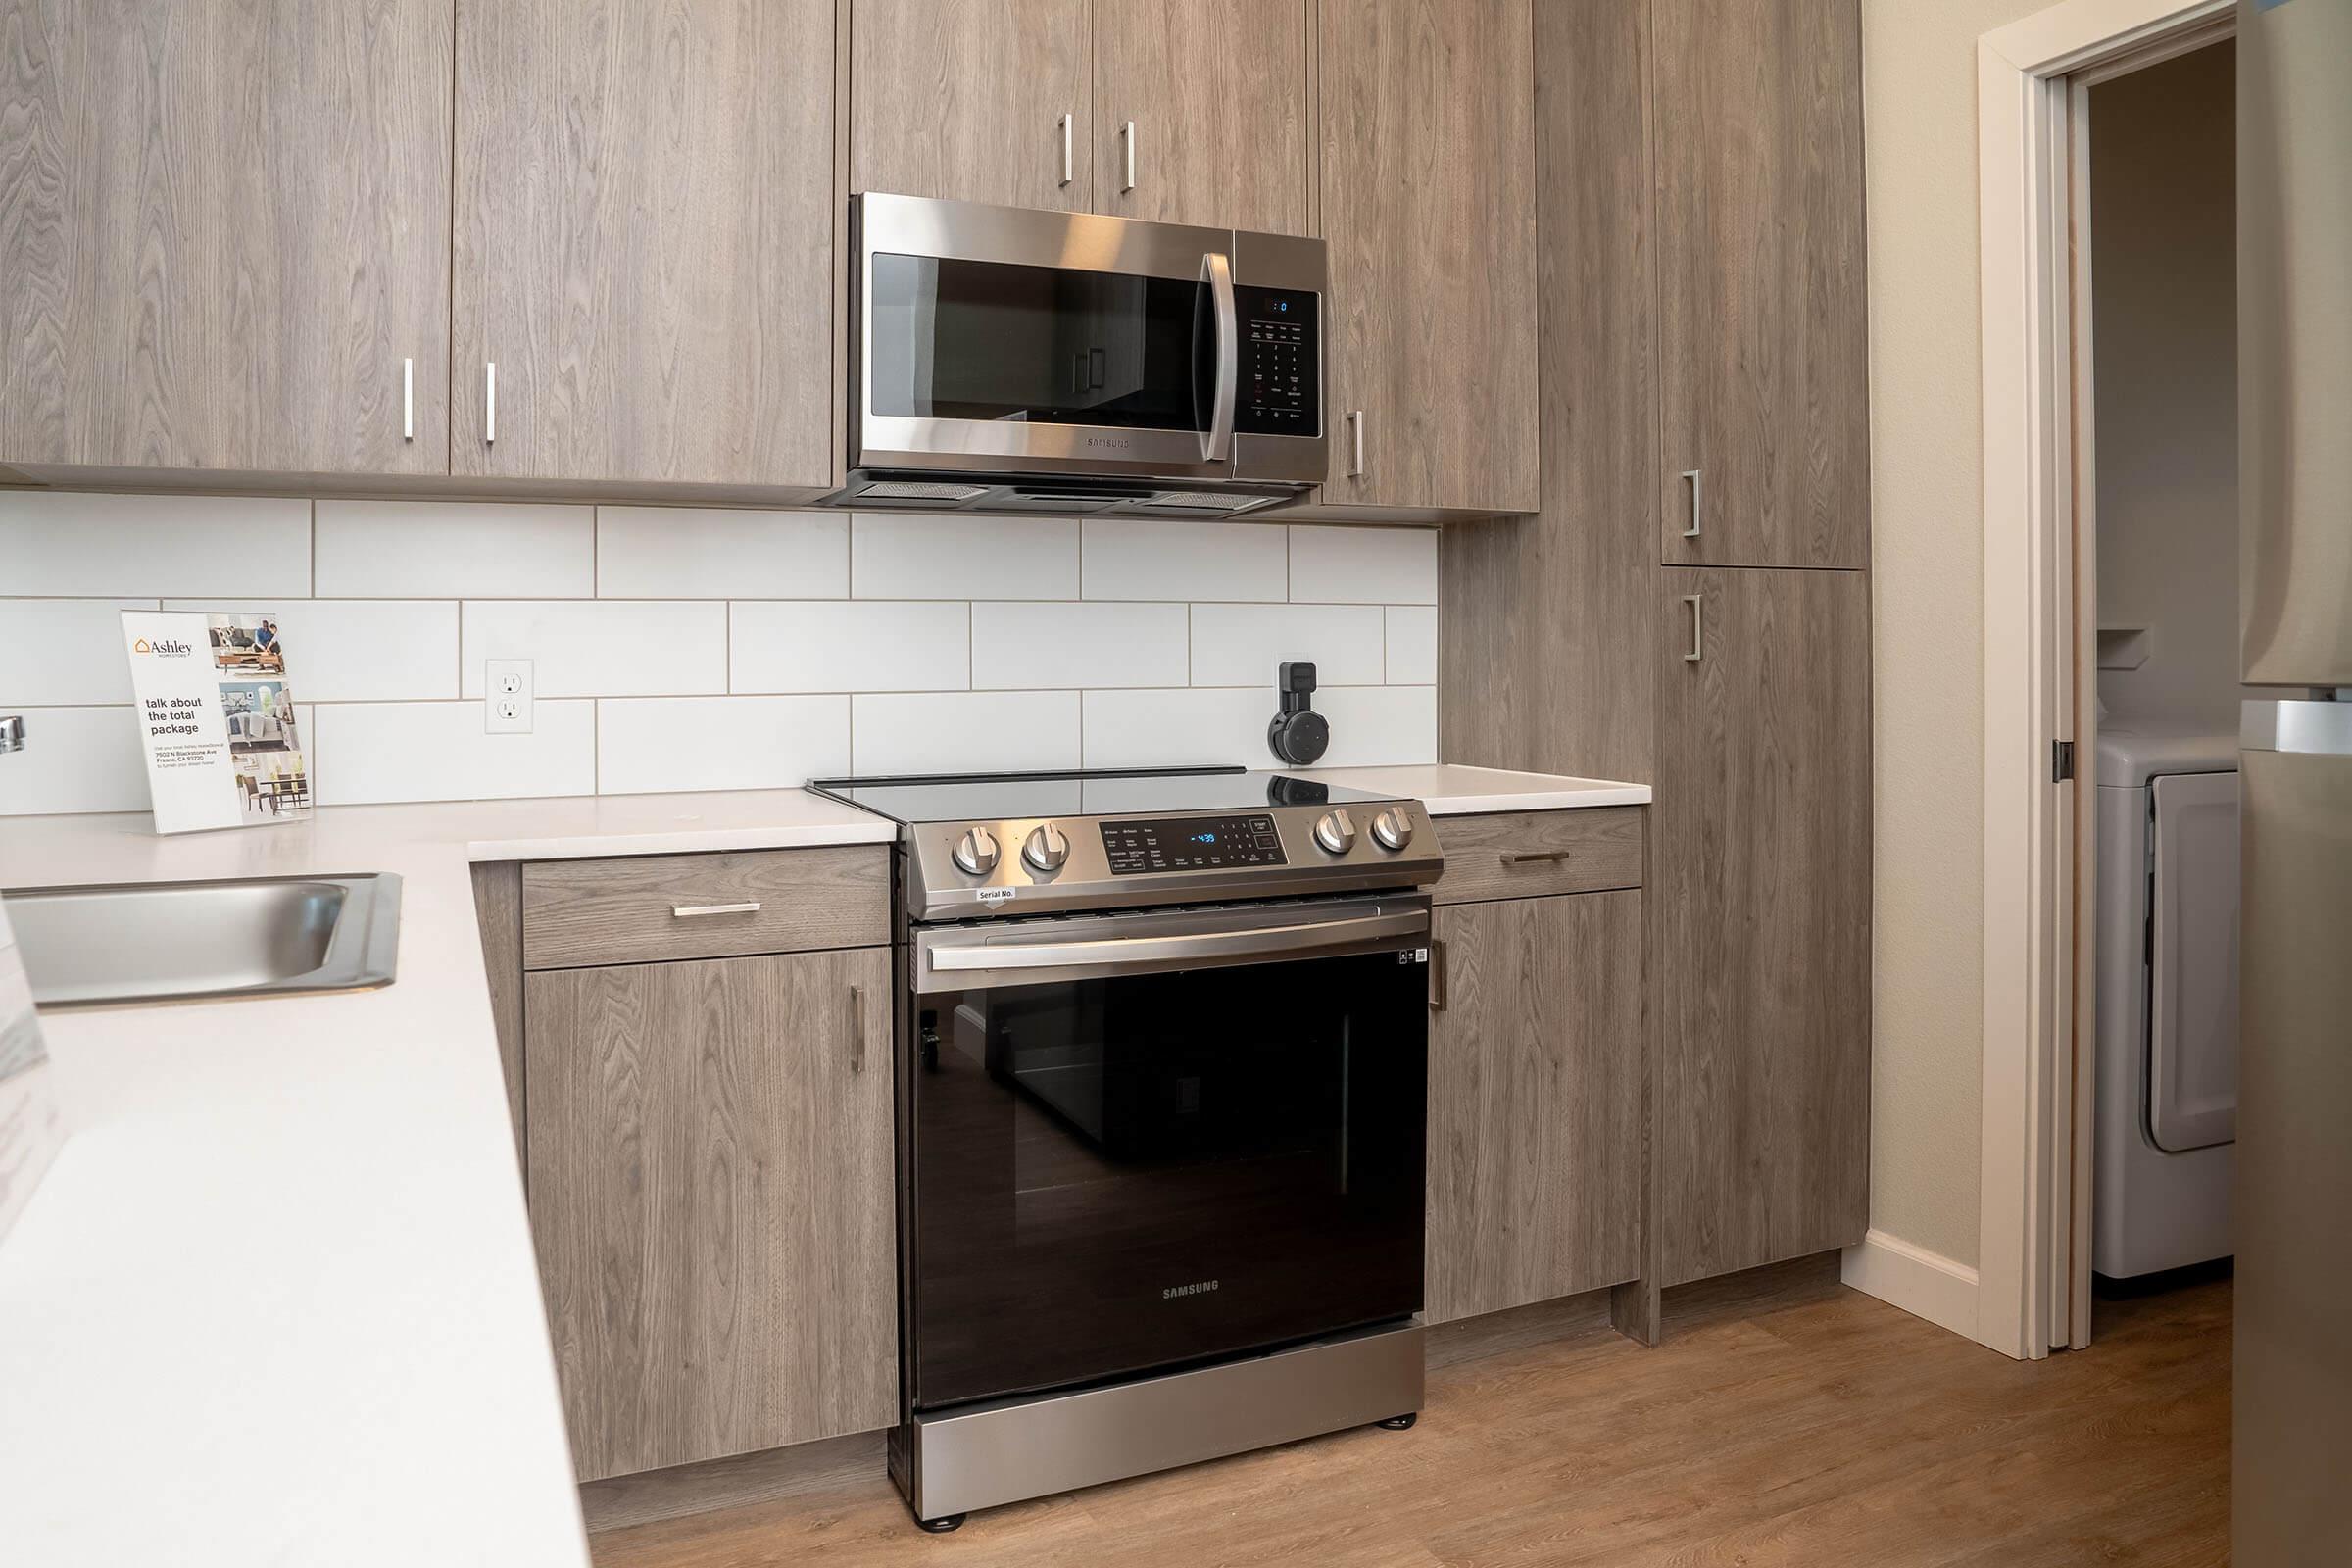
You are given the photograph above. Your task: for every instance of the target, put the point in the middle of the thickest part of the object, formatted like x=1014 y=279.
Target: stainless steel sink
x=168 y=941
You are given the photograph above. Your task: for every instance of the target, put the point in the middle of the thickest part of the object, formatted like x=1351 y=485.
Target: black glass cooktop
x=996 y=797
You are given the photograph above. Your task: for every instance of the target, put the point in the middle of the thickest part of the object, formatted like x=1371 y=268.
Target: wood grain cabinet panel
x=1428 y=192
x=224 y=234
x=711 y=1200
x=644 y=241
x=1763 y=325
x=1764 y=873
x=644 y=908
x=963 y=99
x=1535 y=1103
x=1216 y=93
x=1524 y=854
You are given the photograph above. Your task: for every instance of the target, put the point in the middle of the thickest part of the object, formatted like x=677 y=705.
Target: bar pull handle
x=407 y=400
x=1437 y=977
x=1692 y=474
x=1355 y=443
x=490 y=402
x=1070 y=167
x=856 y=1029
x=696 y=912
x=1216 y=442
x=1533 y=856
x=1127 y=141
x=1698 y=628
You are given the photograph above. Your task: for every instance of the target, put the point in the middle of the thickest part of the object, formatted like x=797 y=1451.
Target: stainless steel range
x=1161 y=1074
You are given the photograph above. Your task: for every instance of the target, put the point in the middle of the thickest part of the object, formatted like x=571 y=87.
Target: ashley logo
x=168 y=647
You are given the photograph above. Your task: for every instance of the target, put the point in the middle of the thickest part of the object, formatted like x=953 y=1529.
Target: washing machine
x=2167 y=959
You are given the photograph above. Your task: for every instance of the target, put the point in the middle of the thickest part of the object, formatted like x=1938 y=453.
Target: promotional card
x=224 y=746
x=31 y=1128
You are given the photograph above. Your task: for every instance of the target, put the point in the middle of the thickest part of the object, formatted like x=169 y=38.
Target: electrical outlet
x=508 y=683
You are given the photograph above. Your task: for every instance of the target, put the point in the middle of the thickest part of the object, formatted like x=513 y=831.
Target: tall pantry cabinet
x=1691 y=607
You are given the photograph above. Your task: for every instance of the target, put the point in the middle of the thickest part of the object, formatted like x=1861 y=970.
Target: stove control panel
x=1191 y=844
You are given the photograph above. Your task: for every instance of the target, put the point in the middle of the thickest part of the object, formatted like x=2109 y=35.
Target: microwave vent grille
x=920 y=490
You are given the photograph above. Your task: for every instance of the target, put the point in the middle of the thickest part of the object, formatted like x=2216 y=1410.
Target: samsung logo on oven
x=1196 y=1288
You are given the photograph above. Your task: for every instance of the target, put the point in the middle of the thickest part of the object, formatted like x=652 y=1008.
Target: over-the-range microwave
x=1004 y=360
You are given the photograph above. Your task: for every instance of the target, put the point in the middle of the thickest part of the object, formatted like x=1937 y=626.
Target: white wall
x=1918 y=76
x=694 y=649
x=2164 y=320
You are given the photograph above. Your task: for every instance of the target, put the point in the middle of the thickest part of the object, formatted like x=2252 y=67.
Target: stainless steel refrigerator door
x=2293 y=1373
x=2294 y=316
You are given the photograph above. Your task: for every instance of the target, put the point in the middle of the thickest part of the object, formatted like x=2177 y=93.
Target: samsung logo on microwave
x=1116 y=443
x=1196 y=1288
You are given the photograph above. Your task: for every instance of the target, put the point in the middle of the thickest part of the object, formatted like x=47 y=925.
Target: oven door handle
x=1113 y=953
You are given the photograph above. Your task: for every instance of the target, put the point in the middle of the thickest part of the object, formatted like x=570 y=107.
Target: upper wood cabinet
x=1427 y=207
x=1202 y=112
x=1763 y=328
x=973 y=100
x=710 y=1156
x=224 y=236
x=1536 y=1056
x=644 y=244
x=1763 y=867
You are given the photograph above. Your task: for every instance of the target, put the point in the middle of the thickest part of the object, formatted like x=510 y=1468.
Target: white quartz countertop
x=276 y=1300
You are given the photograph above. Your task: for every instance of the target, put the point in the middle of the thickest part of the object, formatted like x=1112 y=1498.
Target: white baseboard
x=1922 y=1283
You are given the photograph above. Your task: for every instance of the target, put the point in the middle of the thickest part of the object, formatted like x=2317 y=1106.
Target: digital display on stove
x=1191 y=844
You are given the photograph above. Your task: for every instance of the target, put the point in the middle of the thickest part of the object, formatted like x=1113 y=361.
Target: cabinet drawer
x=641 y=909
x=1526 y=855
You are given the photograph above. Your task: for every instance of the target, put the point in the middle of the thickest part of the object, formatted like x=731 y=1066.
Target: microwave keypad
x=1191 y=844
x=1281 y=391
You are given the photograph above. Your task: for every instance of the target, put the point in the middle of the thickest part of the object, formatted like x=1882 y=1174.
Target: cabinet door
x=1535 y=1103
x=1763 y=326
x=1763 y=871
x=645 y=241
x=711 y=1197
x=224 y=236
x=1200 y=111
x=973 y=100
x=1428 y=211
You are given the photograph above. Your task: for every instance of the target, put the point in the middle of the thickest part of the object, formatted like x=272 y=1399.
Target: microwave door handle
x=1192 y=946
x=1216 y=442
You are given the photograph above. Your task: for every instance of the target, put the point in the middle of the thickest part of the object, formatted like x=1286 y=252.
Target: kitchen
x=1095 y=735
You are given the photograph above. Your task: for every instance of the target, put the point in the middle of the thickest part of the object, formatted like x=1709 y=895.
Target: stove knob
x=976 y=852
x=1392 y=829
x=1336 y=832
x=1046 y=848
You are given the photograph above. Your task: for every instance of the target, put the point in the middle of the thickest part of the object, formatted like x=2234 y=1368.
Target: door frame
x=2033 y=1172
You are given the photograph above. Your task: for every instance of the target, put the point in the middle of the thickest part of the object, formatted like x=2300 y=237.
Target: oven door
x=997 y=339
x=1140 y=1140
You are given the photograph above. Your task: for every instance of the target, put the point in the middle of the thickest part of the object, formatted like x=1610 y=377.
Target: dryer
x=2166 y=979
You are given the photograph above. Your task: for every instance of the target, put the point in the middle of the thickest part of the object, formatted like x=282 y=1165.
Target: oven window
x=986 y=340
x=1118 y=1174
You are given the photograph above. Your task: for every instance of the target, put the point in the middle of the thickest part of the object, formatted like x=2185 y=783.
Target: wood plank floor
x=1806 y=1425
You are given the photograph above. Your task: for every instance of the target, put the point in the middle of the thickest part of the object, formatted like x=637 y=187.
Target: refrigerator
x=2291 y=1470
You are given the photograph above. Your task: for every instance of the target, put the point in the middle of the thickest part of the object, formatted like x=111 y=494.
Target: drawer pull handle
x=695 y=912
x=1532 y=856
x=856 y=1029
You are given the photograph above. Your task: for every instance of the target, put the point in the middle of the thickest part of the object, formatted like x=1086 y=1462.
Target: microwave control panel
x=1191 y=844
x=1281 y=391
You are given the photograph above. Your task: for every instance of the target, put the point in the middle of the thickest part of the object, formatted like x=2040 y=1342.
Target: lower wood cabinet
x=1536 y=1067
x=710 y=1184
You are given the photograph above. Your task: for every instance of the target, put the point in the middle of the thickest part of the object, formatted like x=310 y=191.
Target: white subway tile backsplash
x=1370 y=565
x=849 y=646
x=1380 y=726
x=359 y=650
x=1153 y=558
x=713 y=553
x=893 y=556
x=75 y=759
x=370 y=753
x=965 y=732
x=1240 y=645
x=64 y=544
x=1412 y=645
x=450 y=550
x=649 y=745
x=1184 y=726
x=64 y=652
x=1035 y=645
x=600 y=648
